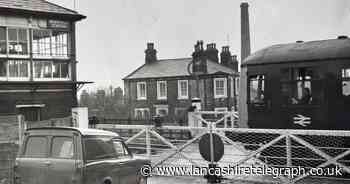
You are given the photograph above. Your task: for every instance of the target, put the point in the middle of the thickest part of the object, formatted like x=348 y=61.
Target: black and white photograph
x=174 y=91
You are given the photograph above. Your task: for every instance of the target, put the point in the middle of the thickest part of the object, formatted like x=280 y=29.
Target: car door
x=62 y=163
x=128 y=167
x=32 y=163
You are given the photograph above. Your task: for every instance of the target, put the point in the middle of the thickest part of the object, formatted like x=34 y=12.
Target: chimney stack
x=245 y=34
x=150 y=53
x=199 y=65
x=212 y=52
x=227 y=59
x=225 y=55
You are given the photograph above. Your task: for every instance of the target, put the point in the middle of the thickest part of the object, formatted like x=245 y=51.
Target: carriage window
x=300 y=86
x=346 y=82
x=256 y=89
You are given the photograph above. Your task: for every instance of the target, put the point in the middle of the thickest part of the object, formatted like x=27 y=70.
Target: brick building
x=37 y=59
x=166 y=86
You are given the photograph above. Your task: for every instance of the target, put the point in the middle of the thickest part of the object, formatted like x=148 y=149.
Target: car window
x=120 y=148
x=62 y=147
x=99 y=148
x=36 y=147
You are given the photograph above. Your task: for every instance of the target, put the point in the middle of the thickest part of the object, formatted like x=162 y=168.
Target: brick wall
x=57 y=104
x=206 y=90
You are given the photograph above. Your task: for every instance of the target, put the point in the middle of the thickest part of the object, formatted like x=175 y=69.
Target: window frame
x=249 y=101
x=8 y=76
x=52 y=66
x=51 y=147
x=138 y=91
x=143 y=114
x=294 y=82
x=6 y=42
x=164 y=97
x=8 y=54
x=344 y=78
x=162 y=107
x=225 y=88
x=180 y=96
x=23 y=153
x=51 y=55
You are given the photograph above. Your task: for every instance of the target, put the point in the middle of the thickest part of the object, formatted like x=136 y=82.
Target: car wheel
x=142 y=180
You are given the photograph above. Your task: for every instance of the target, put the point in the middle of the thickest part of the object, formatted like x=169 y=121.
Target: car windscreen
x=99 y=147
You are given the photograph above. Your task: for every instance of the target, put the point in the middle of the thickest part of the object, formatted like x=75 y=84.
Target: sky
x=112 y=40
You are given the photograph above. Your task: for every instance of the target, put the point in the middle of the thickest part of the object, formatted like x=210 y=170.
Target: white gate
x=312 y=152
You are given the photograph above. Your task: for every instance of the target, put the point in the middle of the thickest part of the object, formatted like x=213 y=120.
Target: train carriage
x=299 y=85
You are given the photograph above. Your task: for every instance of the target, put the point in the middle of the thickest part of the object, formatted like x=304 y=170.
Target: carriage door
x=259 y=102
x=302 y=92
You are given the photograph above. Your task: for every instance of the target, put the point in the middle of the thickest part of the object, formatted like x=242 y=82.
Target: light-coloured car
x=62 y=155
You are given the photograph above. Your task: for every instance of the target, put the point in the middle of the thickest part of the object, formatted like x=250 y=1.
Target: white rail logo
x=302 y=120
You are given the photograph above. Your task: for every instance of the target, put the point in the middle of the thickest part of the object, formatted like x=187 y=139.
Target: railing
x=307 y=150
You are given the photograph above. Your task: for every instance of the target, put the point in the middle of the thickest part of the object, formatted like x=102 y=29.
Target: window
x=18 y=69
x=17 y=41
x=51 y=70
x=346 y=82
x=99 y=148
x=162 y=110
x=300 y=86
x=3 y=69
x=3 y=38
x=36 y=147
x=182 y=87
x=141 y=91
x=142 y=113
x=62 y=147
x=59 y=43
x=41 y=42
x=220 y=88
x=120 y=148
x=161 y=90
x=257 y=89
x=50 y=43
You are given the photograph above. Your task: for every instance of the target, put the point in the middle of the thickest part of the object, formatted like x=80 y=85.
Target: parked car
x=62 y=155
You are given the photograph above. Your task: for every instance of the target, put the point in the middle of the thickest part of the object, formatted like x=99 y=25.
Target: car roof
x=82 y=131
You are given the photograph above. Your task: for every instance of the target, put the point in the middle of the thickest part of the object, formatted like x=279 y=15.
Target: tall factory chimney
x=245 y=34
x=245 y=52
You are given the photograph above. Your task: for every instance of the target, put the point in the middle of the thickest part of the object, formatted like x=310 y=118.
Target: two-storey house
x=37 y=59
x=166 y=86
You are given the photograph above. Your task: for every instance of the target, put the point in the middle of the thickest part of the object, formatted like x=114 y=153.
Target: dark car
x=60 y=155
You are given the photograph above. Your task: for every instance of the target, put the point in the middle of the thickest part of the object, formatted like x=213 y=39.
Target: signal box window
x=256 y=89
x=300 y=86
x=346 y=82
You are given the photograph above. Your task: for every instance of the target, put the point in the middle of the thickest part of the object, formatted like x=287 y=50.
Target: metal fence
x=313 y=154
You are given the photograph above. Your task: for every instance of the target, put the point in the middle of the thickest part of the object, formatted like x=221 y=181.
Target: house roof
x=173 y=68
x=305 y=51
x=37 y=6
